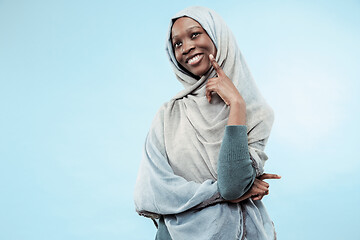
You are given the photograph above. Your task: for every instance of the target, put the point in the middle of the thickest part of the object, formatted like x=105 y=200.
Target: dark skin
x=195 y=52
x=192 y=46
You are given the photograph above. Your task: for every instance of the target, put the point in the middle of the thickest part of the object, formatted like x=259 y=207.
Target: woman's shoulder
x=156 y=131
x=159 y=115
x=164 y=109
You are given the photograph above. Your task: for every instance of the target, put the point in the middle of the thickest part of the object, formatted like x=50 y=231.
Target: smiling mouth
x=195 y=59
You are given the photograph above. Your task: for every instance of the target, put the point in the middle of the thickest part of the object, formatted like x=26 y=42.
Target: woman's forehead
x=183 y=24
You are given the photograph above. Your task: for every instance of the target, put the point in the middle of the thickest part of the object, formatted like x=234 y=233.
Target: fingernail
x=211 y=56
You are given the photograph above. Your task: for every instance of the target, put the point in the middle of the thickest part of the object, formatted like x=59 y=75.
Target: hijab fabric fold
x=178 y=170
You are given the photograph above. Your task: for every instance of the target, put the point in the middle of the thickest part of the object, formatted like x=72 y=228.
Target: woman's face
x=192 y=46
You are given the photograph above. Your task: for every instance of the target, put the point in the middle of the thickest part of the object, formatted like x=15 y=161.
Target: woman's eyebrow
x=188 y=29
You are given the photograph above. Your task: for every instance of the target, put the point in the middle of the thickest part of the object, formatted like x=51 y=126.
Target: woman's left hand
x=261 y=184
x=259 y=189
x=222 y=85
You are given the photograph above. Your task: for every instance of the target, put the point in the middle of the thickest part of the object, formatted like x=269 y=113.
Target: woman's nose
x=187 y=46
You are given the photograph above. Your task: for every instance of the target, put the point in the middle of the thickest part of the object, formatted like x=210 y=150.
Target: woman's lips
x=195 y=59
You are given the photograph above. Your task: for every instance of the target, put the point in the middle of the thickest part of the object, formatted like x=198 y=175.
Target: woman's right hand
x=223 y=86
x=259 y=188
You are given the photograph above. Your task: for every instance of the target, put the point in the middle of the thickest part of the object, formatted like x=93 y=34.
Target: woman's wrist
x=237 y=100
x=237 y=115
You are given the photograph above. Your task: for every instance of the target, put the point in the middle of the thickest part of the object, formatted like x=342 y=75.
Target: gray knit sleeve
x=235 y=171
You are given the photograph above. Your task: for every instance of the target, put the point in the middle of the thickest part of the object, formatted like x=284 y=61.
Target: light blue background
x=80 y=82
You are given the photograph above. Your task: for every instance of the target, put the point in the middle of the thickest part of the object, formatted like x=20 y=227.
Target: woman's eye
x=194 y=35
x=177 y=44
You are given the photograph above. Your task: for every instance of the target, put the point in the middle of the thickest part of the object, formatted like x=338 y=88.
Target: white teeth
x=193 y=59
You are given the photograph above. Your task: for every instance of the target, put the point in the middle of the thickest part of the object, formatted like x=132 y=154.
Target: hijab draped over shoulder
x=179 y=168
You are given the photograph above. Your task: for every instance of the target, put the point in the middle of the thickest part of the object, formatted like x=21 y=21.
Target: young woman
x=202 y=172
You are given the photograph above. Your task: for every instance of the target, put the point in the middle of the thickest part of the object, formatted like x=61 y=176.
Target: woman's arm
x=236 y=175
x=235 y=171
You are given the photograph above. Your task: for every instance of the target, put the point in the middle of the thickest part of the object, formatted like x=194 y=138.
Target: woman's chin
x=201 y=71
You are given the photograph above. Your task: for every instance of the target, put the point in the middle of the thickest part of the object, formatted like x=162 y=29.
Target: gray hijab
x=194 y=128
